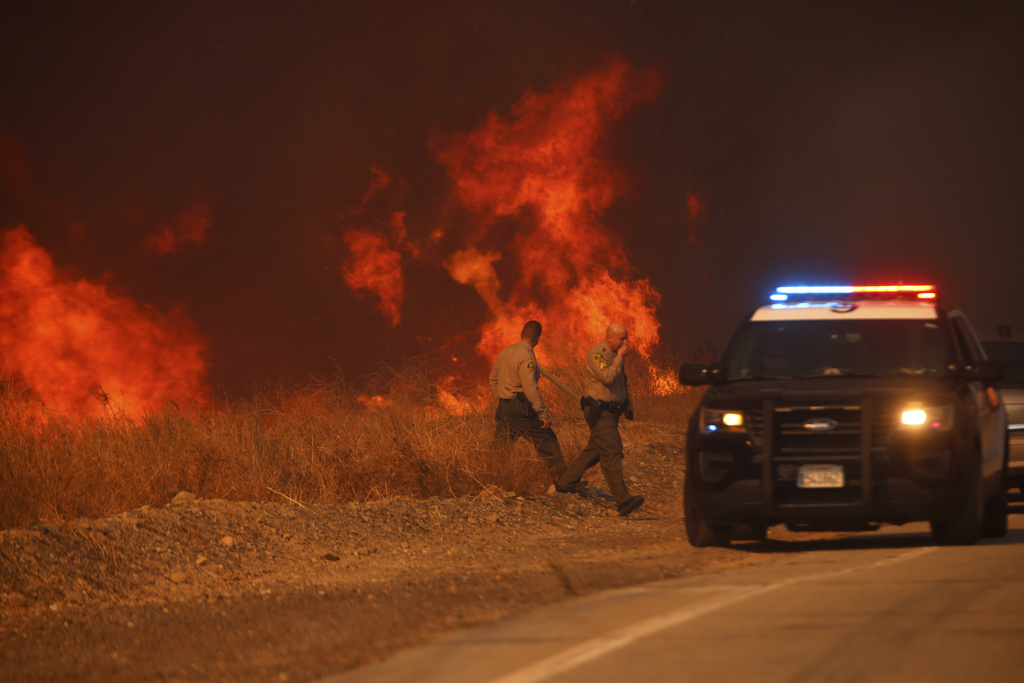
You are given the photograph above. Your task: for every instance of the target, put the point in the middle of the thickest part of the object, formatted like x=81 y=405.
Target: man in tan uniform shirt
x=607 y=398
x=521 y=410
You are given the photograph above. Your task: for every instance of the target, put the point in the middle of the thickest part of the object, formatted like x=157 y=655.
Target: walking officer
x=521 y=410
x=607 y=399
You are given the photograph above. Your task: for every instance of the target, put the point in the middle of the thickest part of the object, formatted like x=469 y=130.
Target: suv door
x=985 y=397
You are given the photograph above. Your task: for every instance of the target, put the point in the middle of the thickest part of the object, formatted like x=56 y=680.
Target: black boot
x=571 y=488
x=630 y=504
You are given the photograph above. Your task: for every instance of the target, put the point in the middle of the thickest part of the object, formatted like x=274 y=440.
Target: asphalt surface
x=883 y=606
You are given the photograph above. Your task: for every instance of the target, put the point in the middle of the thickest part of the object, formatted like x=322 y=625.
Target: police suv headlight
x=715 y=421
x=930 y=418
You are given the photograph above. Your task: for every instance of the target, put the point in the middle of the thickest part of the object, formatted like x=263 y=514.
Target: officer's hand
x=545 y=424
x=623 y=350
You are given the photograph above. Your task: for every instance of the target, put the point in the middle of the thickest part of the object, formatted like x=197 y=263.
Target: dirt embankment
x=234 y=591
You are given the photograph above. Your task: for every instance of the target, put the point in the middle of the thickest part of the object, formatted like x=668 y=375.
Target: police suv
x=843 y=408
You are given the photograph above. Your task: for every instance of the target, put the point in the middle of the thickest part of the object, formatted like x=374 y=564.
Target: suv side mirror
x=696 y=374
x=984 y=371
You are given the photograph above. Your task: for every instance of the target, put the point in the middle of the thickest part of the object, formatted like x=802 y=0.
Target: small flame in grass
x=459 y=400
x=374 y=402
x=454 y=404
x=664 y=382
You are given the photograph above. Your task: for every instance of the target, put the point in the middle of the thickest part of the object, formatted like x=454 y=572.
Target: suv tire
x=750 y=531
x=995 y=522
x=700 y=533
x=965 y=527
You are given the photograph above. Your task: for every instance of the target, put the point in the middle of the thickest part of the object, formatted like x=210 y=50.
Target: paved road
x=886 y=606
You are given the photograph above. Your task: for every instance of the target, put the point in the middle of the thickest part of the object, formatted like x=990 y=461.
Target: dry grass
x=325 y=444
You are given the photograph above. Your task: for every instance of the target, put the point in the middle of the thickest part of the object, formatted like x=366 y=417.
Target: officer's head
x=531 y=332
x=616 y=335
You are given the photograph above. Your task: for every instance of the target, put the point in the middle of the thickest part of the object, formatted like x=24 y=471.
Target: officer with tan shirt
x=521 y=410
x=606 y=400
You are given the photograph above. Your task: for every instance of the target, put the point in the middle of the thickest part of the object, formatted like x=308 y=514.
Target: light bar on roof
x=896 y=288
x=814 y=290
x=922 y=291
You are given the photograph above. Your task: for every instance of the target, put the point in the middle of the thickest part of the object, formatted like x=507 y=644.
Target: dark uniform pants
x=605 y=446
x=515 y=418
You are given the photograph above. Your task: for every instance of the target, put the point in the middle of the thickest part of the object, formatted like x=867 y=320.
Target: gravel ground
x=215 y=590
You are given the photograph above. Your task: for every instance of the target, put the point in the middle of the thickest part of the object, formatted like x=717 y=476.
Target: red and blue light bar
x=847 y=291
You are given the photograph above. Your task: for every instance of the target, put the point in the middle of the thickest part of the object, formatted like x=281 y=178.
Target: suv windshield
x=819 y=348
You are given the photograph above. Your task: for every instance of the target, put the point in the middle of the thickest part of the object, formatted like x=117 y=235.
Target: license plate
x=820 y=477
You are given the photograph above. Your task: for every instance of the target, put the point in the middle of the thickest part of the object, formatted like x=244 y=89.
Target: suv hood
x=825 y=389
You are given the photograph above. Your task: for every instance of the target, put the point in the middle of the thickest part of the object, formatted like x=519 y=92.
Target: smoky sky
x=869 y=141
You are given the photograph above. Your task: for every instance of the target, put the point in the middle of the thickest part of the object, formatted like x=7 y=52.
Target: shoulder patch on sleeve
x=599 y=357
x=531 y=366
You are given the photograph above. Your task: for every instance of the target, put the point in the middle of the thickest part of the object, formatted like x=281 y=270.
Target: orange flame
x=459 y=399
x=540 y=173
x=664 y=382
x=698 y=212
x=373 y=402
x=455 y=405
x=86 y=349
x=470 y=267
x=544 y=167
x=190 y=226
x=379 y=182
x=375 y=267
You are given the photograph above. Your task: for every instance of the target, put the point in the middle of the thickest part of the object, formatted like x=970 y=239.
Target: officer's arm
x=528 y=378
x=494 y=379
x=606 y=372
x=628 y=403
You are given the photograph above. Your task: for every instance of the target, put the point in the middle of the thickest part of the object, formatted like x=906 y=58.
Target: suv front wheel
x=995 y=522
x=700 y=533
x=964 y=527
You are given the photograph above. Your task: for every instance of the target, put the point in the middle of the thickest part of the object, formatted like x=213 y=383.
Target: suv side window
x=967 y=341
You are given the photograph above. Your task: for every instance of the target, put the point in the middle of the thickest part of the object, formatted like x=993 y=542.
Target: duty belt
x=592 y=408
x=613 y=407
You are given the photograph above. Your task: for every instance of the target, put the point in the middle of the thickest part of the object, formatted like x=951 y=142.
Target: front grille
x=788 y=442
x=882 y=421
x=793 y=441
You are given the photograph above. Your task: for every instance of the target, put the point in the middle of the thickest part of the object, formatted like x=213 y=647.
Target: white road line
x=598 y=647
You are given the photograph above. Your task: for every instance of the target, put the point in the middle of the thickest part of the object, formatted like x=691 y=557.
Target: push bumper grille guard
x=771 y=454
